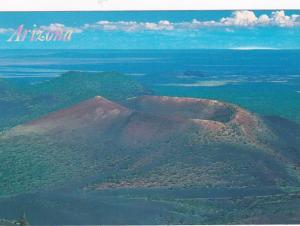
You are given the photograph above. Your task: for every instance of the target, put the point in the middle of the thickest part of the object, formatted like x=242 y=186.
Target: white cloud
x=130 y=25
x=51 y=27
x=240 y=18
x=248 y=18
x=243 y=18
x=281 y=19
x=264 y=19
x=59 y=27
x=5 y=30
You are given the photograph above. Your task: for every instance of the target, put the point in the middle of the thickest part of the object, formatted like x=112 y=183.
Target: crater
x=188 y=108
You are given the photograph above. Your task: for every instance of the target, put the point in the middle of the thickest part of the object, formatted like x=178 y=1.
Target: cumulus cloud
x=248 y=18
x=240 y=18
x=243 y=18
x=130 y=25
x=163 y=25
x=51 y=27
x=59 y=27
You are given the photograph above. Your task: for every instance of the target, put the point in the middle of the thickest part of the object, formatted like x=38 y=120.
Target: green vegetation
x=262 y=98
x=184 y=173
x=247 y=209
x=20 y=103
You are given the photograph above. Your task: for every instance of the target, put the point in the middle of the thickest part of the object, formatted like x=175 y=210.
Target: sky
x=157 y=29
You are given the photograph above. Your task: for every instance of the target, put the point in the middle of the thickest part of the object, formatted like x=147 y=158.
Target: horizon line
x=141 y=49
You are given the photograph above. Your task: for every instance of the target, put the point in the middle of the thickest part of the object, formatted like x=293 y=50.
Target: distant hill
x=24 y=102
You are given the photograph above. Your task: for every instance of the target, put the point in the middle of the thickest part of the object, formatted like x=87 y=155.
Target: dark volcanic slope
x=153 y=142
x=218 y=121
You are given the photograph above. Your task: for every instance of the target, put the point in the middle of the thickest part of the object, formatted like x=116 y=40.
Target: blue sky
x=159 y=30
